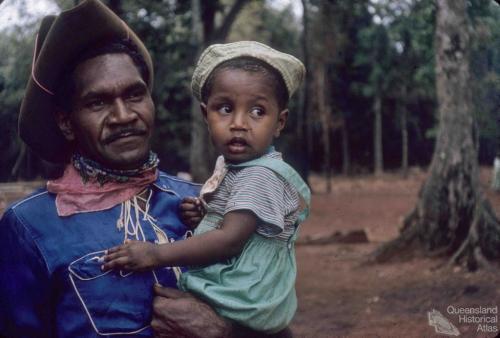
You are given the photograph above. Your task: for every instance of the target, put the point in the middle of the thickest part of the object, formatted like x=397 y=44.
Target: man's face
x=112 y=115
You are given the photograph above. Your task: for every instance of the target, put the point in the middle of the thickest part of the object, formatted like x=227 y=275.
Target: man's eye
x=257 y=112
x=135 y=96
x=224 y=109
x=96 y=104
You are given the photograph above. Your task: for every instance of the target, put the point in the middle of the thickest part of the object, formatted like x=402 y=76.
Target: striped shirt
x=260 y=190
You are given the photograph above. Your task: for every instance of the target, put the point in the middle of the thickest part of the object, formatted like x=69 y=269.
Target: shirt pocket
x=115 y=302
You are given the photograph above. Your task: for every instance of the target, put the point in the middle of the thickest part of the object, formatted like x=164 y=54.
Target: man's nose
x=120 y=113
x=239 y=121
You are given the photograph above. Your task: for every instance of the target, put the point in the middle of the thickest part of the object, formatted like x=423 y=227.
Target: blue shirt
x=51 y=284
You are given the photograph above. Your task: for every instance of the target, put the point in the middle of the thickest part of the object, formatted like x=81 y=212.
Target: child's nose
x=239 y=121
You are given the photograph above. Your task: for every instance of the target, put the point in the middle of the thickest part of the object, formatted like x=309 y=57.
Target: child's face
x=242 y=114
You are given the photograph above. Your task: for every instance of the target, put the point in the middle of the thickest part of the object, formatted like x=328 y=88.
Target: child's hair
x=253 y=65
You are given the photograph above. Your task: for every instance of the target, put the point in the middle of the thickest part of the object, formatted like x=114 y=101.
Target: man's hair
x=66 y=84
x=253 y=65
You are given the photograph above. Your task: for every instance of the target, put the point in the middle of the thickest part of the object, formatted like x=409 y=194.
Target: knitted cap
x=290 y=68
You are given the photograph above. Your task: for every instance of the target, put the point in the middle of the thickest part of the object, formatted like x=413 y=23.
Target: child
x=242 y=251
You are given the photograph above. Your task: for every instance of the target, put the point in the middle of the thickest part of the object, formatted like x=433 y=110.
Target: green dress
x=257 y=288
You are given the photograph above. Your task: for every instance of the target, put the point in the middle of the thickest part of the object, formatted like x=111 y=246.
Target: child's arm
x=207 y=248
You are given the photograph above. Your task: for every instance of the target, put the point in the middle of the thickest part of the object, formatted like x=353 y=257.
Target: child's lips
x=237 y=145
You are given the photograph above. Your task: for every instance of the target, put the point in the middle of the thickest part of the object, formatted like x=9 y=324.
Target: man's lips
x=123 y=134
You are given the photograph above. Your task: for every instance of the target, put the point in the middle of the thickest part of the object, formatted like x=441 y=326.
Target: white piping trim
x=27 y=199
x=167 y=190
x=92 y=322
x=82 y=278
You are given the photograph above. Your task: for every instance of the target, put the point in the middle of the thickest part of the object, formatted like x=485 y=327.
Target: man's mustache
x=124 y=133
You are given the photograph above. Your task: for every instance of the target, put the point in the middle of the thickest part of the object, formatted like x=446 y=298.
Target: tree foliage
x=368 y=48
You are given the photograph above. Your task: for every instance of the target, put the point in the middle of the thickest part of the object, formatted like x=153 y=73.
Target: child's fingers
x=194 y=221
x=114 y=255
x=190 y=200
x=188 y=206
x=114 y=249
x=118 y=263
x=190 y=214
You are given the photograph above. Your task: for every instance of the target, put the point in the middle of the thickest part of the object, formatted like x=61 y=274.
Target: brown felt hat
x=60 y=40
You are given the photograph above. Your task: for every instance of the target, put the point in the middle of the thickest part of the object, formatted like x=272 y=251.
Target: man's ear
x=203 y=108
x=64 y=123
x=282 y=117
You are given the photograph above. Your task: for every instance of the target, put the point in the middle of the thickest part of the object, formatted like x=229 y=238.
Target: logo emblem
x=442 y=324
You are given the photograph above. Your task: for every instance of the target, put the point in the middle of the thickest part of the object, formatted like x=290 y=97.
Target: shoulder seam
x=173 y=178
x=164 y=189
x=27 y=199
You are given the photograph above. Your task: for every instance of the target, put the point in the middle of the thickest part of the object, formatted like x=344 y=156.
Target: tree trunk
x=404 y=135
x=377 y=135
x=309 y=85
x=346 y=159
x=15 y=173
x=305 y=109
x=325 y=118
x=452 y=217
x=199 y=158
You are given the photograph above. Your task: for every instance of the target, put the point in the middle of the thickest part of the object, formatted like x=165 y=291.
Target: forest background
x=368 y=104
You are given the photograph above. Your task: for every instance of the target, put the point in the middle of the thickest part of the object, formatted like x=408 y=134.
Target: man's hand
x=131 y=256
x=178 y=314
x=192 y=211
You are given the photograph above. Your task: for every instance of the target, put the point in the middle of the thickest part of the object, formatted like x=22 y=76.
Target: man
x=88 y=104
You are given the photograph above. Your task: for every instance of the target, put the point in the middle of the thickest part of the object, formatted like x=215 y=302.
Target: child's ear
x=64 y=123
x=203 y=108
x=282 y=117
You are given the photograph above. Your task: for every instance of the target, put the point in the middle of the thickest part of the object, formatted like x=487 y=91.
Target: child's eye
x=257 y=112
x=224 y=109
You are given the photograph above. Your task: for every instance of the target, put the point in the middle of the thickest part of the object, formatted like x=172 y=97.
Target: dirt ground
x=341 y=297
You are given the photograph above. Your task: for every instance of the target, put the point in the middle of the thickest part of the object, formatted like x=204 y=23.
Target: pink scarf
x=74 y=196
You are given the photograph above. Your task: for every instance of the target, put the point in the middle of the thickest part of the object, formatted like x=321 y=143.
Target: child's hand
x=192 y=211
x=131 y=256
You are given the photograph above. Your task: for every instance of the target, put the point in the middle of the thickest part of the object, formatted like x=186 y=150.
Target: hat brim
x=59 y=42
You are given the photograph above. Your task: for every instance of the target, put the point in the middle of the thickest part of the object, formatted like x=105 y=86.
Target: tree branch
x=222 y=32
